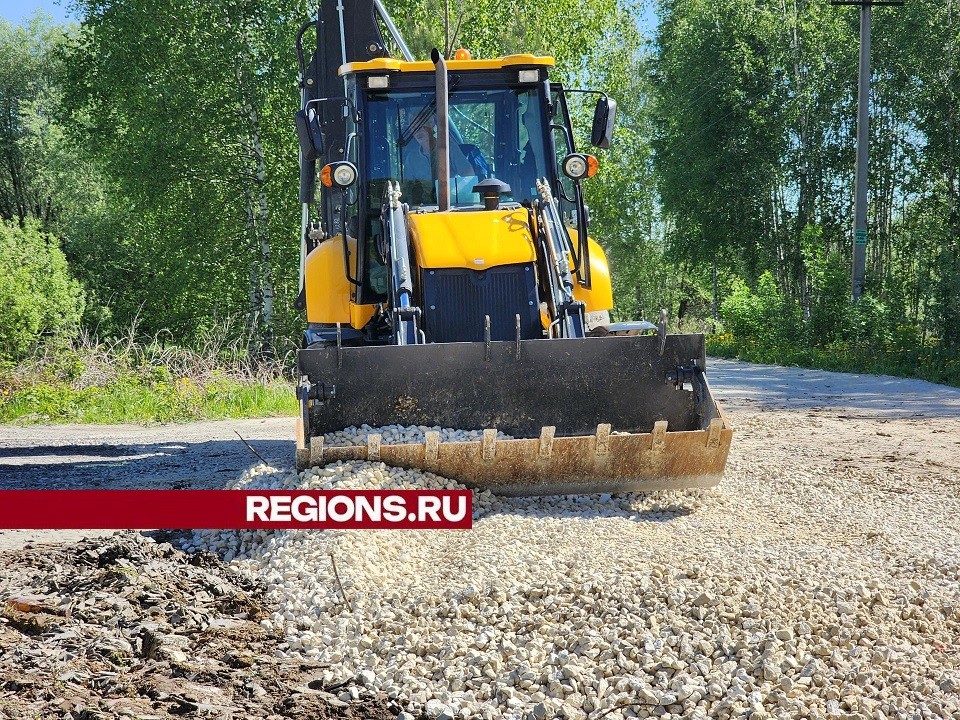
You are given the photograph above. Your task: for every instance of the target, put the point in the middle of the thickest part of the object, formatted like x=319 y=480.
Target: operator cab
x=499 y=115
x=480 y=267
x=494 y=133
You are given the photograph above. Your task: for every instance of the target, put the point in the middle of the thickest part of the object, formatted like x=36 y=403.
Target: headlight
x=339 y=174
x=577 y=166
x=344 y=175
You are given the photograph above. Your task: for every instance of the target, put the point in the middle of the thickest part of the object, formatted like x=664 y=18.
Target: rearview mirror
x=309 y=134
x=603 y=119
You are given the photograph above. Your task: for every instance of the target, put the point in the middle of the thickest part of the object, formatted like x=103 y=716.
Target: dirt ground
x=128 y=626
x=131 y=626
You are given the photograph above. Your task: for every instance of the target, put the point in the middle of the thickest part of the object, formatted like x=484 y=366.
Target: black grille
x=455 y=302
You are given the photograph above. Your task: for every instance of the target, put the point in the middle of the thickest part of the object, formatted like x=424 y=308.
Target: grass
x=926 y=362
x=128 y=400
x=124 y=381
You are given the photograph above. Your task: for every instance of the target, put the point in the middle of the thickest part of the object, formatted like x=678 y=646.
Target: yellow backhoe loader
x=449 y=280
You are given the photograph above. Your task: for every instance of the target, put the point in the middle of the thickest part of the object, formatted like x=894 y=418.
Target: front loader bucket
x=607 y=414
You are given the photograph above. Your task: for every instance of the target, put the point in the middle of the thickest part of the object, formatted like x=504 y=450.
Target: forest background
x=148 y=187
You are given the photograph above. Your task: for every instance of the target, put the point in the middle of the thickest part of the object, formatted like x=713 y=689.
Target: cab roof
x=394 y=65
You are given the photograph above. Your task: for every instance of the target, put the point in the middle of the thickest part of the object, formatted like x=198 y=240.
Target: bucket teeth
x=551 y=465
x=603 y=438
x=431 y=448
x=713 y=436
x=659 y=437
x=316 y=450
x=373 y=447
x=546 y=441
x=489 y=444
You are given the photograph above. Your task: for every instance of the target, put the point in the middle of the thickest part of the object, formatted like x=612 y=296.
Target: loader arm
x=566 y=312
x=396 y=251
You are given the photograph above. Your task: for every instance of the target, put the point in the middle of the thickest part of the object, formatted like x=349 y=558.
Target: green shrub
x=765 y=326
x=829 y=279
x=870 y=324
x=764 y=317
x=37 y=294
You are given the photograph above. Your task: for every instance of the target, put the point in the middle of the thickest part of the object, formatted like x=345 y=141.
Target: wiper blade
x=421 y=118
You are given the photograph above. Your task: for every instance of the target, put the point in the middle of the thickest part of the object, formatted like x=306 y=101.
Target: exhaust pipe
x=443 y=131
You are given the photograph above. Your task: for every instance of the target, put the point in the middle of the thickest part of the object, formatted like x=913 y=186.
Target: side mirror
x=603 y=118
x=309 y=134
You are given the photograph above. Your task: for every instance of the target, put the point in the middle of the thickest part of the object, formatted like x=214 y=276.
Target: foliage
x=765 y=326
x=572 y=32
x=765 y=317
x=187 y=109
x=829 y=285
x=38 y=296
x=28 y=81
x=752 y=112
x=717 y=111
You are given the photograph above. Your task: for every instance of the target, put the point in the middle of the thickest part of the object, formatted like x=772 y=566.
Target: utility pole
x=863 y=140
x=716 y=303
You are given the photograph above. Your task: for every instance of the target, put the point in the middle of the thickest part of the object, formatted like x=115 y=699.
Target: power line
x=687 y=138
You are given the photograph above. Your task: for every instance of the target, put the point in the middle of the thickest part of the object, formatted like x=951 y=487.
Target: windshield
x=493 y=133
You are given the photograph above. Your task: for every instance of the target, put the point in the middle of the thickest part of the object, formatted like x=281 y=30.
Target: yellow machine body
x=389 y=64
x=475 y=240
x=599 y=296
x=328 y=292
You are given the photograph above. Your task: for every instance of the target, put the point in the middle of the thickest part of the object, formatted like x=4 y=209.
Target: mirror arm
x=566 y=133
x=585 y=91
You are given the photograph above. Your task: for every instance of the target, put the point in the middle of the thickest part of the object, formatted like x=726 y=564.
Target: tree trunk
x=260 y=294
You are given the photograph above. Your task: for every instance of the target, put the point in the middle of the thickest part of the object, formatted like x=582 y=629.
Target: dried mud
x=129 y=626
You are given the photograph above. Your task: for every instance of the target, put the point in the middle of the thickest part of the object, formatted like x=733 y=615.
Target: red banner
x=235 y=509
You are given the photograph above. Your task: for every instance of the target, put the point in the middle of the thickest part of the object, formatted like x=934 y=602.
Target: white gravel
x=402 y=435
x=799 y=588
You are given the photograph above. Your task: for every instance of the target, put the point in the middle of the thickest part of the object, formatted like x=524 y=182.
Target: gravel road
x=821 y=579
x=854 y=410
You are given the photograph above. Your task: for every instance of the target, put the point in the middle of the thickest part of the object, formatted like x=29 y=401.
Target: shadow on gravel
x=157 y=466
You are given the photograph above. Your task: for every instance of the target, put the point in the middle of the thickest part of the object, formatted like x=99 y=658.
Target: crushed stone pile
x=402 y=435
x=792 y=591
